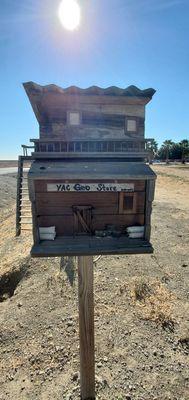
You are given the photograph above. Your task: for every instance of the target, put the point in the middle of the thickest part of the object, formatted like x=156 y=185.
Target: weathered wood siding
x=83 y=132
x=54 y=124
x=107 y=105
x=55 y=208
x=61 y=131
x=64 y=224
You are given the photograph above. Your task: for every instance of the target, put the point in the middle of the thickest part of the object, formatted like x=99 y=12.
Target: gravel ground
x=141 y=310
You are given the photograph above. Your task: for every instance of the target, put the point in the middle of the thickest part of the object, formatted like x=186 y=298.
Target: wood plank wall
x=53 y=119
x=56 y=208
x=87 y=132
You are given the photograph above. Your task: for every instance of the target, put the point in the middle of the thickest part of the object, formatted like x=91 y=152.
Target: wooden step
x=23 y=205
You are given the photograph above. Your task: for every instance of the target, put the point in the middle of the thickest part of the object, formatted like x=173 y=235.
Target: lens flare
x=69 y=14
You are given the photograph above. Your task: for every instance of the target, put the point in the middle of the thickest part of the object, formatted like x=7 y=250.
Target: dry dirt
x=141 y=310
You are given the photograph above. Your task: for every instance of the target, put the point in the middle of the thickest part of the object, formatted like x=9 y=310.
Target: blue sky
x=119 y=42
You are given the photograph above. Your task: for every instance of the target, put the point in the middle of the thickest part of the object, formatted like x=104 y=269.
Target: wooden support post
x=86 y=327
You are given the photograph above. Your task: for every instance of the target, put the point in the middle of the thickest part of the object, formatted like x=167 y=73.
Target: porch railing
x=117 y=146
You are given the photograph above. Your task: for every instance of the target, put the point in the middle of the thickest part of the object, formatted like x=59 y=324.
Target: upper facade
x=93 y=122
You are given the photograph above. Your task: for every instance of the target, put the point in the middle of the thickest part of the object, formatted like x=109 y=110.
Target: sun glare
x=69 y=14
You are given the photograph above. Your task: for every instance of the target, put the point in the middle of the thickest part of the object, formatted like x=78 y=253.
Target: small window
x=127 y=203
x=131 y=125
x=73 y=118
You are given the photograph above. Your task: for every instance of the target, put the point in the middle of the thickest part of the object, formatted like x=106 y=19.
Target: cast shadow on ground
x=68 y=264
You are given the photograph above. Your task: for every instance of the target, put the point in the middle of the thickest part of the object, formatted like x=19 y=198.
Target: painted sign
x=90 y=187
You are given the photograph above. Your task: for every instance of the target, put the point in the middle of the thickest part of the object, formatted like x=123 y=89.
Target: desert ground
x=141 y=310
x=8 y=163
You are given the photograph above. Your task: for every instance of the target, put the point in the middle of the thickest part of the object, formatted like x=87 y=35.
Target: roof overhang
x=90 y=170
x=45 y=98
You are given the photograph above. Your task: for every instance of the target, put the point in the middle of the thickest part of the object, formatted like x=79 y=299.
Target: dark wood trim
x=69 y=246
x=75 y=155
x=60 y=139
x=150 y=185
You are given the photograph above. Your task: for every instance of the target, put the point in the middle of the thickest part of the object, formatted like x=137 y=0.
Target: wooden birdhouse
x=89 y=184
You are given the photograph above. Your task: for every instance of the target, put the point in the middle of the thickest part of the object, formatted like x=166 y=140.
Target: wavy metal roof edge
x=32 y=87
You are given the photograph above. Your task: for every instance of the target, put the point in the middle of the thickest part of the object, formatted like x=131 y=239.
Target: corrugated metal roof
x=34 y=88
x=90 y=170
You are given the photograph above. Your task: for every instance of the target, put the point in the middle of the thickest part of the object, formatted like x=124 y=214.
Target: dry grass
x=153 y=299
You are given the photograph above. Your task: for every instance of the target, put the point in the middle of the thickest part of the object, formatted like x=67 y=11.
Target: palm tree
x=152 y=147
x=167 y=144
x=184 y=144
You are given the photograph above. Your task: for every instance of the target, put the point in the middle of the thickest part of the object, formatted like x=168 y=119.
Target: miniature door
x=82 y=220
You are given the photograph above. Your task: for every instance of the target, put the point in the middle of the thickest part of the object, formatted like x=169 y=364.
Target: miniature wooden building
x=90 y=188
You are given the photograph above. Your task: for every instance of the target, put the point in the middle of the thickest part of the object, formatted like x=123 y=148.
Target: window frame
x=68 y=117
x=131 y=119
x=122 y=195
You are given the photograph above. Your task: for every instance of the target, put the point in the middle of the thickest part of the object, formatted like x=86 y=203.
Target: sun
x=69 y=14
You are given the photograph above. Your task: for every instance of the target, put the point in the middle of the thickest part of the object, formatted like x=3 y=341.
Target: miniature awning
x=90 y=170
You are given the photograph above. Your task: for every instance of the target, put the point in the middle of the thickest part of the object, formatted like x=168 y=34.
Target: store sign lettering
x=90 y=187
